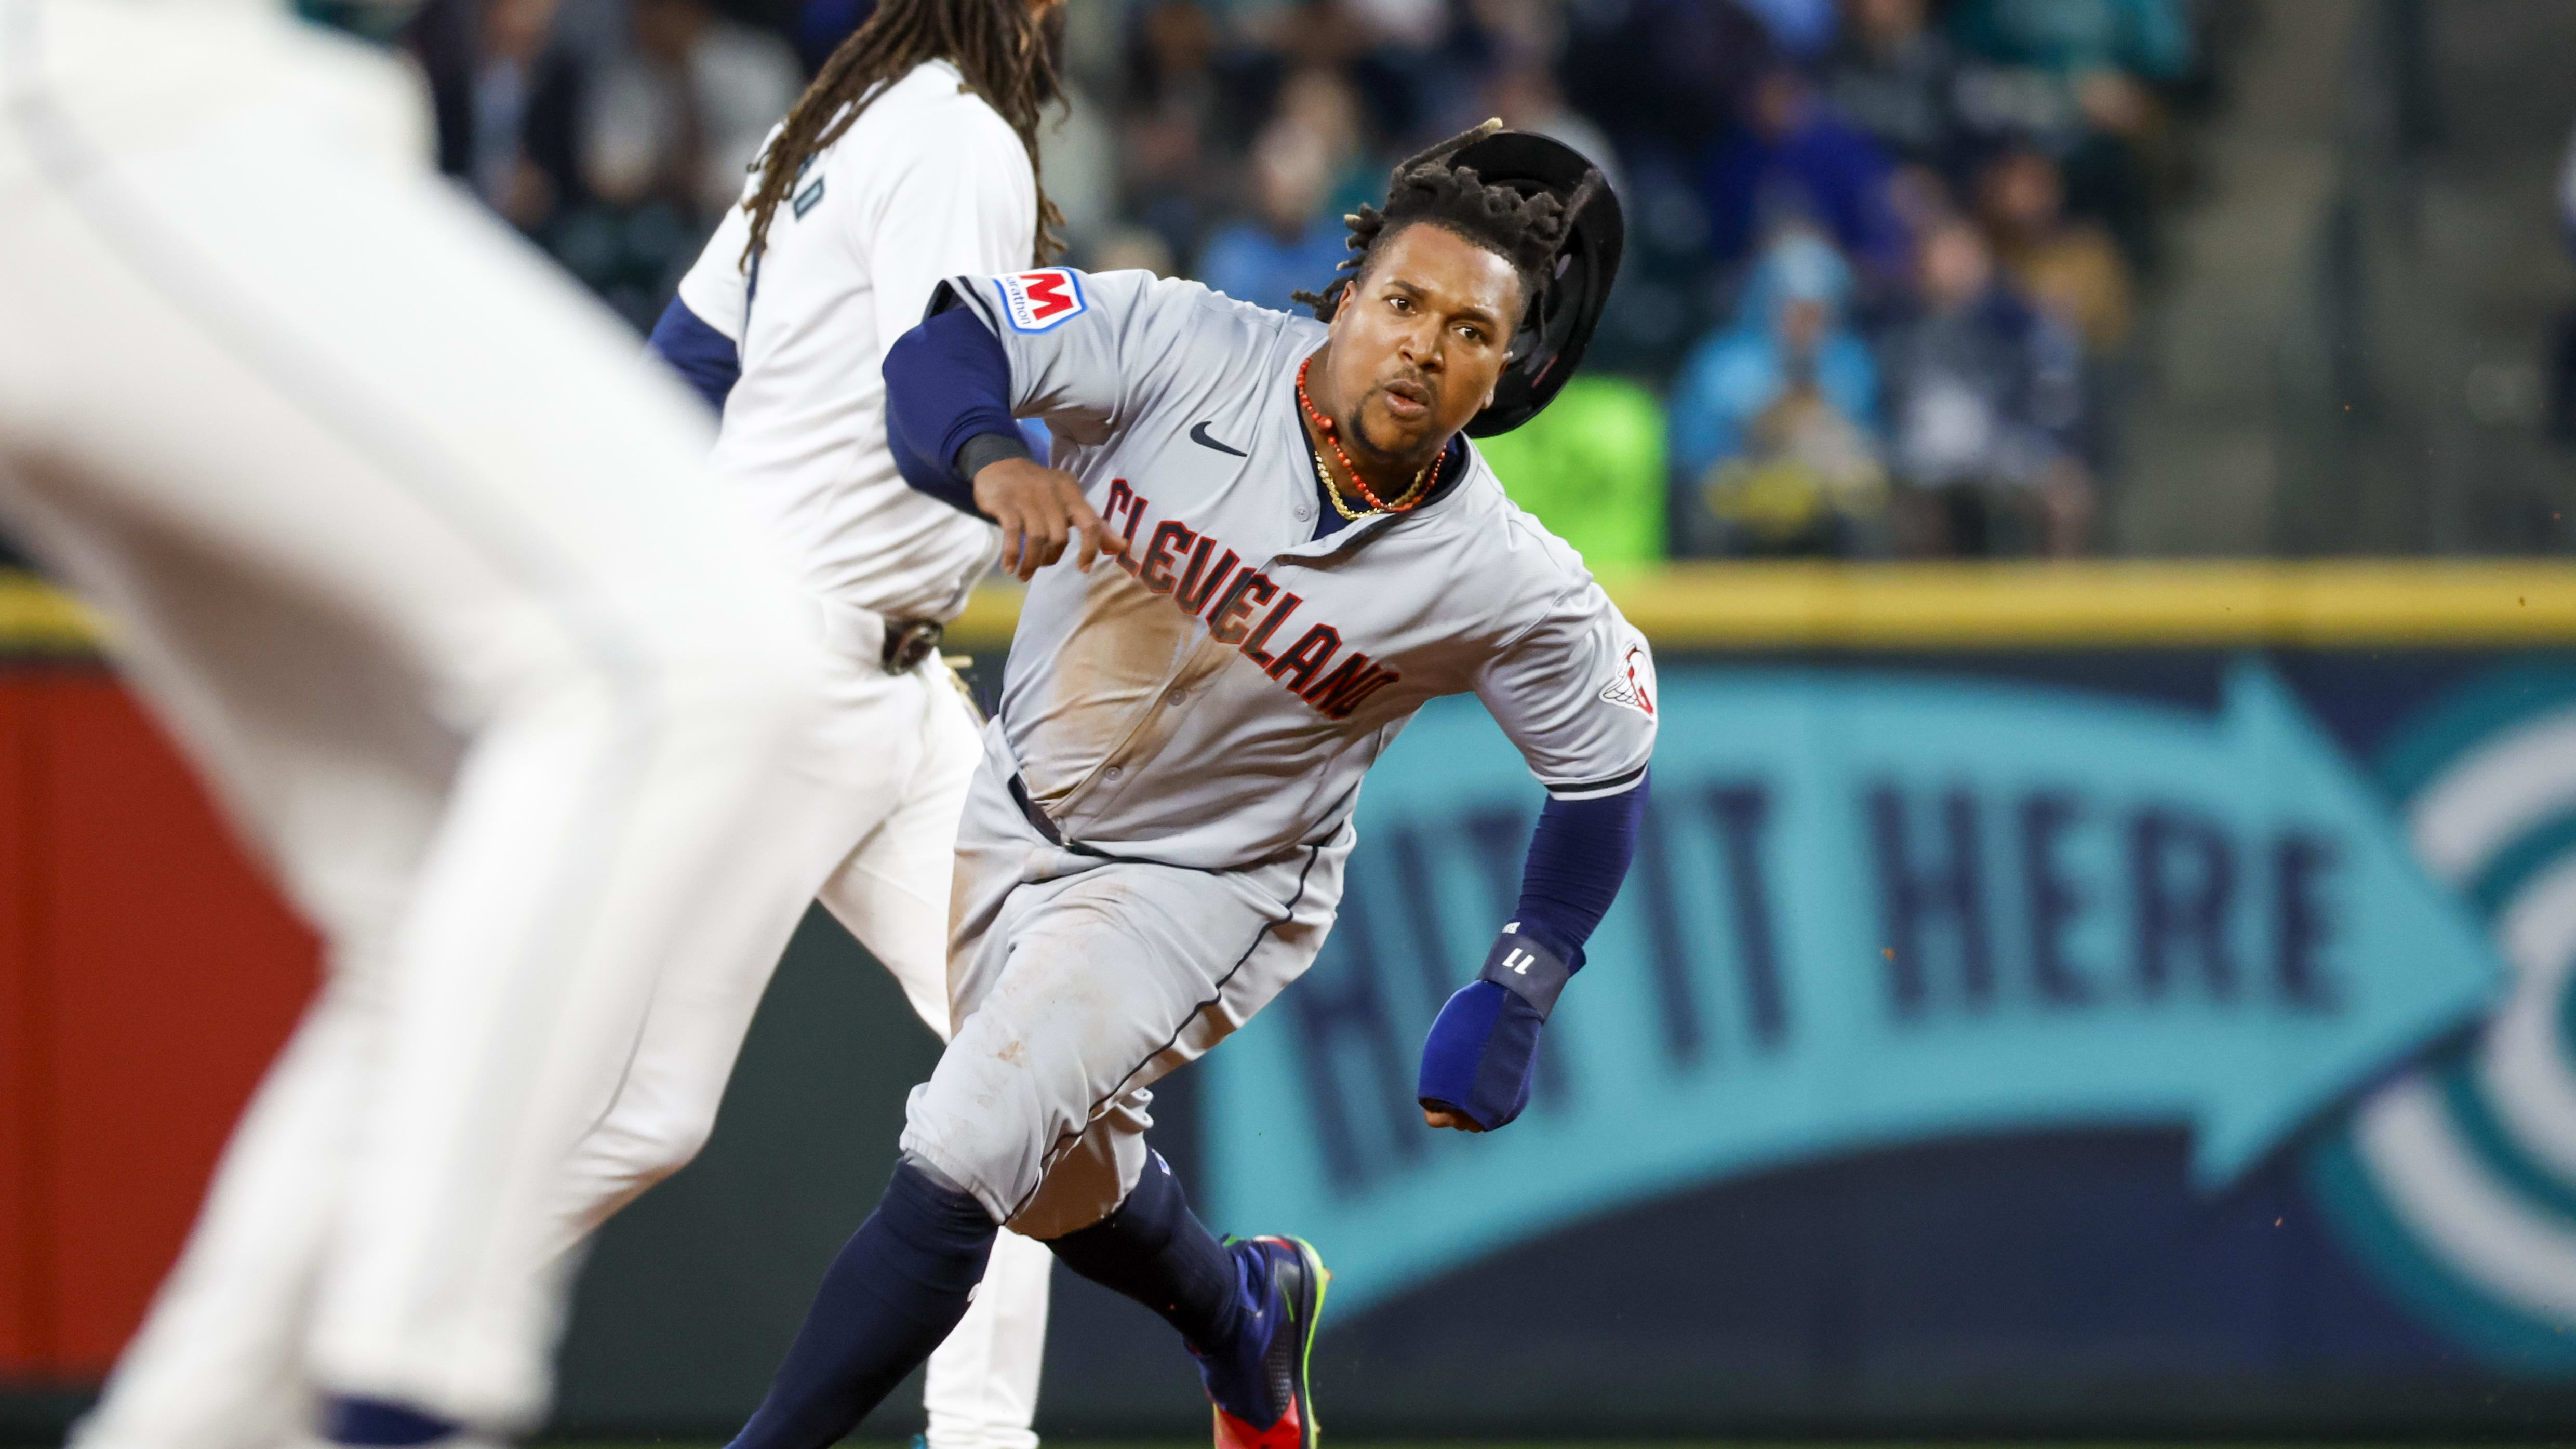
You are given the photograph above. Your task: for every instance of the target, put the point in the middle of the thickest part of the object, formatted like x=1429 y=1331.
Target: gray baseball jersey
x=1213 y=697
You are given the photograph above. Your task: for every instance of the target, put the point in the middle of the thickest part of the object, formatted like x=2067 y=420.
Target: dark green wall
x=692 y=1294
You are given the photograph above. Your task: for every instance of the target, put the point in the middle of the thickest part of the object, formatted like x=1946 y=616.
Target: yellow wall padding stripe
x=2130 y=605
x=991 y=614
x=2126 y=605
x=2358 y=604
x=37 y=618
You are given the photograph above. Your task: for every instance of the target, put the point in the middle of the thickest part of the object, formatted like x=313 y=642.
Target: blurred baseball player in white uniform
x=417 y=561
x=911 y=158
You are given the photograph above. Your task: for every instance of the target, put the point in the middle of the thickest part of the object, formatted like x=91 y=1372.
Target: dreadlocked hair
x=1000 y=50
x=1526 y=231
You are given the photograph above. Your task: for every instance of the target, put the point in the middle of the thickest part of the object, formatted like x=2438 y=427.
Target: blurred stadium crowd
x=1885 y=258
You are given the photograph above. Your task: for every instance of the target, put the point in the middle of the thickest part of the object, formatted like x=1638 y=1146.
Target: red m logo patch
x=1036 y=301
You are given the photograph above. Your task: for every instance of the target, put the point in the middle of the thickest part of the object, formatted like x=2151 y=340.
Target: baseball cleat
x=1292 y=1278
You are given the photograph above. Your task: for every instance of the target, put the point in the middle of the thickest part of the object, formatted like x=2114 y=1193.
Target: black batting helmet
x=1560 y=319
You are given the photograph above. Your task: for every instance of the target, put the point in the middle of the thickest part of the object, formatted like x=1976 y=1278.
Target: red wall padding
x=147 y=975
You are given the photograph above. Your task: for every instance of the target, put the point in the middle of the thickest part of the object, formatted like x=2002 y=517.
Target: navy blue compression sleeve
x=703 y=356
x=1577 y=857
x=1477 y=1059
x=948 y=384
x=923 y=475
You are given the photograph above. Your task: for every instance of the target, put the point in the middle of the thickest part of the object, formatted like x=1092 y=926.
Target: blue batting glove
x=1478 y=1057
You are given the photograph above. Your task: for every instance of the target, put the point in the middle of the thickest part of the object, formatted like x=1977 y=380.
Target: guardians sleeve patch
x=1634 y=685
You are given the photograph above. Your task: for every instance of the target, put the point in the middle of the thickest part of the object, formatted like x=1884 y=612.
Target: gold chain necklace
x=1333 y=490
x=1404 y=503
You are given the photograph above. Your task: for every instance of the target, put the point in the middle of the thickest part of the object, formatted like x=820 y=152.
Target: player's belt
x=853 y=631
x=1045 y=825
x=1038 y=819
x=910 y=641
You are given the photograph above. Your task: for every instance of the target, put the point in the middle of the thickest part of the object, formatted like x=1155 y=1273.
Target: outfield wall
x=2100 y=997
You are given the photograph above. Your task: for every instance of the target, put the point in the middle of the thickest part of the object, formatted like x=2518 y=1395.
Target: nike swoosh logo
x=1199 y=435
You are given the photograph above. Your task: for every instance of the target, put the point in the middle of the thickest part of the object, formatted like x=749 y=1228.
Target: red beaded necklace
x=1409 y=500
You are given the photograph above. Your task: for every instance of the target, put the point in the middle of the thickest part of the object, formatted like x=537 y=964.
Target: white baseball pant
x=409 y=551
x=902 y=751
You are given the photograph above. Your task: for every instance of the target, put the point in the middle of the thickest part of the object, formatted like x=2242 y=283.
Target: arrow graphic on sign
x=1873 y=908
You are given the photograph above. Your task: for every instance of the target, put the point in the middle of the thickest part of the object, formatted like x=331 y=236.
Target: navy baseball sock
x=351 y=1420
x=1156 y=1251
x=898 y=1287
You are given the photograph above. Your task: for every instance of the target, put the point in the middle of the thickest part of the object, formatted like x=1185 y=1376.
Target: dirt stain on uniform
x=961 y=886
x=1110 y=671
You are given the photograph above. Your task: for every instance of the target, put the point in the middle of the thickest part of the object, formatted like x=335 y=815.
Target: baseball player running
x=416 y=561
x=913 y=157
x=1283 y=548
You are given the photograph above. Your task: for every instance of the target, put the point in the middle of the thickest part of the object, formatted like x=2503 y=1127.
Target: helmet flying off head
x=1569 y=283
x=1559 y=322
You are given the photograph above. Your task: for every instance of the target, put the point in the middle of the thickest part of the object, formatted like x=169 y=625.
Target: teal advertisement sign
x=2456 y=1180
x=1874 y=907
x=2073 y=1044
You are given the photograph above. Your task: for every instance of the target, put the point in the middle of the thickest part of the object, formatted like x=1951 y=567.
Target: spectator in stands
x=1417 y=69
x=1520 y=32
x=1132 y=249
x=2104 y=56
x=1525 y=95
x=1894 y=78
x=1174 y=120
x=1333 y=34
x=1794 y=161
x=682 y=111
x=1323 y=105
x=671 y=116
x=2070 y=268
x=1078 y=151
x=506 y=102
x=1292 y=238
x=821 y=26
x=1985 y=404
x=1665 y=76
x=1802 y=29
x=1774 y=418
x=2147 y=40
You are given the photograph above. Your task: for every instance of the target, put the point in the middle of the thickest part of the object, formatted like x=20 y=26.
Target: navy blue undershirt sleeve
x=700 y=354
x=1577 y=857
x=923 y=475
x=1480 y=1053
x=948 y=384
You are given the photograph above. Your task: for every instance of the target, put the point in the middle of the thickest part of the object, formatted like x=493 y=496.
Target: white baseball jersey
x=928 y=181
x=414 y=557
x=1213 y=697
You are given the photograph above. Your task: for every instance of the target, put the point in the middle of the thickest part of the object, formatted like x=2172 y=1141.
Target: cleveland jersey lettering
x=1214 y=696
x=1248 y=609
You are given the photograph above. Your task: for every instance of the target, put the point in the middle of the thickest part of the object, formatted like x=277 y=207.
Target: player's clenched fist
x=1040 y=509
x=1476 y=1062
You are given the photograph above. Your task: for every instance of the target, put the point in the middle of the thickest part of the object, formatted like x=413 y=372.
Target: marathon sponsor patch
x=1036 y=301
x=1634 y=684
